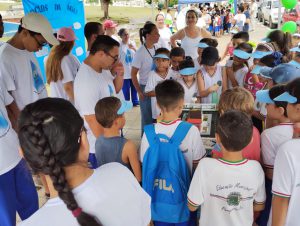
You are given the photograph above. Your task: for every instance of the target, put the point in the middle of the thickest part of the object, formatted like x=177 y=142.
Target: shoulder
x=110 y=169
x=290 y=147
x=256 y=167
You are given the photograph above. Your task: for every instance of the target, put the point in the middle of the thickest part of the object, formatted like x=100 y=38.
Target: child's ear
x=281 y=110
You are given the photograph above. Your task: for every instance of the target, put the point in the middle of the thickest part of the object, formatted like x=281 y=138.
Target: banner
x=60 y=13
x=197 y=1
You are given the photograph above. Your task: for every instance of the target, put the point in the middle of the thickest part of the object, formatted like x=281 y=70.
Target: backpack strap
x=181 y=132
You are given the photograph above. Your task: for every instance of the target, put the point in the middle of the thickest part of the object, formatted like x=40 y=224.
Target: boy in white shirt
x=170 y=99
x=177 y=55
x=161 y=73
x=94 y=81
x=231 y=188
x=17 y=190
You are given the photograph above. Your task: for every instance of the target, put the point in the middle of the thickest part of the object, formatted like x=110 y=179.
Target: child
x=161 y=73
x=229 y=189
x=17 y=190
x=170 y=99
x=217 y=24
x=211 y=77
x=272 y=138
x=239 y=68
x=54 y=143
x=296 y=57
x=285 y=188
x=177 y=55
x=204 y=43
x=237 y=39
x=240 y=99
x=188 y=81
x=111 y=147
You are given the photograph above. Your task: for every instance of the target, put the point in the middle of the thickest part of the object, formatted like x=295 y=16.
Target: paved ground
x=132 y=129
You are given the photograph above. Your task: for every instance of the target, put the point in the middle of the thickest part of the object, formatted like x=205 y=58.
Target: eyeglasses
x=115 y=58
x=38 y=42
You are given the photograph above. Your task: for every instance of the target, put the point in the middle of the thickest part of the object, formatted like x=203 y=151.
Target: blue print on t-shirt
x=111 y=91
x=128 y=57
x=4 y=126
x=37 y=79
x=153 y=67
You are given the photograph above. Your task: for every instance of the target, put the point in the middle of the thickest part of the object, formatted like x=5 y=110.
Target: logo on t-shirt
x=4 y=126
x=128 y=57
x=37 y=79
x=111 y=91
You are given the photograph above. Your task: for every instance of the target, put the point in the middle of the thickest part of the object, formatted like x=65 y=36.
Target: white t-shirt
x=143 y=60
x=240 y=19
x=153 y=80
x=271 y=139
x=226 y=191
x=89 y=87
x=192 y=145
x=239 y=76
x=207 y=19
x=286 y=179
x=164 y=40
x=196 y=63
x=174 y=74
x=189 y=92
x=69 y=66
x=9 y=143
x=112 y=195
x=126 y=57
x=21 y=75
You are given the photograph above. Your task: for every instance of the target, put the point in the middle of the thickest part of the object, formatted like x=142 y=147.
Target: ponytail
x=38 y=130
x=141 y=35
x=147 y=29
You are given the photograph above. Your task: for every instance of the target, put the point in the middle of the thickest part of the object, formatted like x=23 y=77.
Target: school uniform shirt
x=143 y=60
x=210 y=80
x=189 y=92
x=69 y=66
x=174 y=74
x=197 y=64
x=21 y=75
x=126 y=57
x=271 y=139
x=153 y=80
x=192 y=145
x=89 y=87
x=226 y=191
x=164 y=39
x=239 y=77
x=9 y=144
x=286 y=179
x=112 y=195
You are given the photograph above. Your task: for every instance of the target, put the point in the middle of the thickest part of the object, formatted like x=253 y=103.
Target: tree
x=104 y=6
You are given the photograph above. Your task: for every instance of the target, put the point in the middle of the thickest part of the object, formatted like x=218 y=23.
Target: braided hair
x=49 y=133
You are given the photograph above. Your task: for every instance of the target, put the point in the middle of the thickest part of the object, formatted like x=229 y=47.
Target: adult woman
x=126 y=53
x=164 y=32
x=54 y=143
x=62 y=66
x=143 y=63
x=190 y=35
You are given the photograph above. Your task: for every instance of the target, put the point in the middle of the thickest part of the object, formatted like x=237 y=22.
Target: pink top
x=230 y=50
x=251 y=86
x=252 y=151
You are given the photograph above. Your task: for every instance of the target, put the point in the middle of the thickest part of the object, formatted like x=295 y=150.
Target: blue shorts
x=191 y=222
x=210 y=28
x=217 y=28
x=17 y=194
x=93 y=161
x=228 y=26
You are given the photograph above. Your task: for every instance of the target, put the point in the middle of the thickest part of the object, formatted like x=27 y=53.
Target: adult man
x=239 y=19
x=91 y=31
x=99 y=76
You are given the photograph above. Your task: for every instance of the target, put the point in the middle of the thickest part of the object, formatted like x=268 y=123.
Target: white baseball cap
x=38 y=23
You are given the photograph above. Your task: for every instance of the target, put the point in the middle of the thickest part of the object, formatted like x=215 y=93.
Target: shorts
x=210 y=28
x=228 y=26
x=217 y=29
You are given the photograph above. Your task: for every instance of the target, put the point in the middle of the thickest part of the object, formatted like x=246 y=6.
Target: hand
x=213 y=88
x=117 y=69
x=141 y=96
x=131 y=46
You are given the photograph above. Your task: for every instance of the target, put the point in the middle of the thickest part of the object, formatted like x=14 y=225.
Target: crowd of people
x=71 y=136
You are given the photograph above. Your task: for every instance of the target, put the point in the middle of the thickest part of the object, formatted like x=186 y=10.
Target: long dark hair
x=283 y=40
x=49 y=133
x=147 y=29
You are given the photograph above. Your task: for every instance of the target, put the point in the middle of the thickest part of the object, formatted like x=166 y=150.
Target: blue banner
x=60 y=13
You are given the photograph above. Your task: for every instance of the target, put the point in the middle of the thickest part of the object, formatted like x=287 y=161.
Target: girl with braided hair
x=54 y=143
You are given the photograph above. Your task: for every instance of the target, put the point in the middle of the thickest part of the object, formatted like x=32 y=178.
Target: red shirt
x=252 y=151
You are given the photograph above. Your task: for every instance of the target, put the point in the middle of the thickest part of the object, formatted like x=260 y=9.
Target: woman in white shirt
x=164 y=32
x=127 y=50
x=62 y=66
x=54 y=143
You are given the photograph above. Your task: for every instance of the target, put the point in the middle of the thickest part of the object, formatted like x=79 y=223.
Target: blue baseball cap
x=260 y=54
x=282 y=73
x=263 y=96
x=295 y=49
x=256 y=69
x=286 y=97
x=295 y=63
x=241 y=54
x=163 y=56
x=188 y=71
x=125 y=106
x=202 y=45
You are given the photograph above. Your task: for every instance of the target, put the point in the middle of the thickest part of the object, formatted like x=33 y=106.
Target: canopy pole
x=235 y=6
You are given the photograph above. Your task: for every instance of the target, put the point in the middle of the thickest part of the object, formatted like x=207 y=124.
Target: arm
x=96 y=128
x=150 y=94
x=230 y=74
x=205 y=33
x=68 y=87
x=191 y=207
x=130 y=155
x=201 y=86
x=225 y=52
x=118 y=71
x=257 y=207
x=224 y=80
x=135 y=82
x=279 y=210
x=13 y=114
x=177 y=36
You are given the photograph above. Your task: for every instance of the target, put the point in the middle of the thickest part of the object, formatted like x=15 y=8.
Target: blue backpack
x=166 y=177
